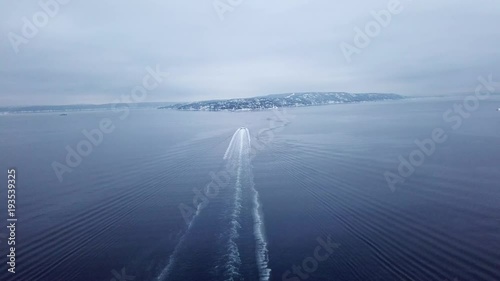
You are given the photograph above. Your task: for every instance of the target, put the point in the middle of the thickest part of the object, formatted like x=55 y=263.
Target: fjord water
x=311 y=174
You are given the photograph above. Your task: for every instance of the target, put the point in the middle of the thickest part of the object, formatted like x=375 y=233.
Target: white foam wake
x=261 y=252
x=230 y=148
x=236 y=152
x=172 y=259
x=239 y=149
x=237 y=156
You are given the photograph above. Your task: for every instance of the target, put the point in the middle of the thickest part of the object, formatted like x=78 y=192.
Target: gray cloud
x=94 y=51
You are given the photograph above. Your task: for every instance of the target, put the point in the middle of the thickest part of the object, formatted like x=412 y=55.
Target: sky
x=97 y=51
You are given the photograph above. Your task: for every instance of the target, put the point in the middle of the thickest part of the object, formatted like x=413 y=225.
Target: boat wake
x=238 y=156
x=241 y=246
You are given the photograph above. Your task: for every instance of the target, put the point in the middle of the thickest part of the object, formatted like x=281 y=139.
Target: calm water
x=298 y=180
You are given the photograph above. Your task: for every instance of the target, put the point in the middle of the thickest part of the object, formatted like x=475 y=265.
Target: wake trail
x=234 y=253
x=172 y=259
x=230 y=148
x=238 y=161
x=261 y=252
x=239 y=151
x=234 y=260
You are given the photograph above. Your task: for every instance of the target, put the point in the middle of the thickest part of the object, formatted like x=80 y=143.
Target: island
x=282 y=100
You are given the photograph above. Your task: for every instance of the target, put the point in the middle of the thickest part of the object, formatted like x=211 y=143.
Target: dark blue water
x=308 y=183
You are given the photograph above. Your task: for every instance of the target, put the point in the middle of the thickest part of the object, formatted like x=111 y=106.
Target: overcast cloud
x=94 y=51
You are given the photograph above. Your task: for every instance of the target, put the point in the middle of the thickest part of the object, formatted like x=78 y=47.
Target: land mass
x=255 y=103
x=282 y=100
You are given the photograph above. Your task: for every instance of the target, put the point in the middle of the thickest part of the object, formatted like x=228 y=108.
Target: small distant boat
x=498 y=109
x=63 y=114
